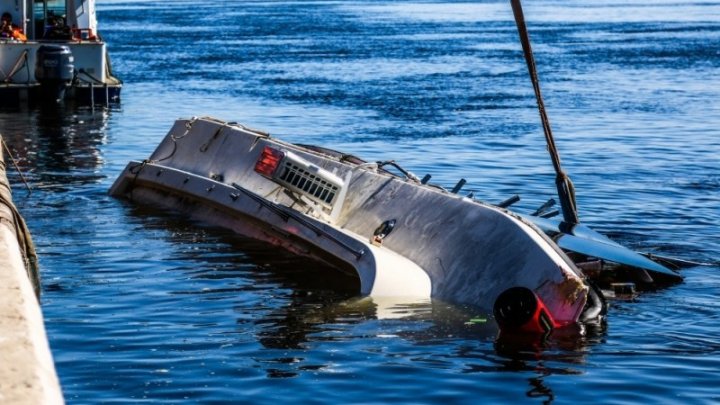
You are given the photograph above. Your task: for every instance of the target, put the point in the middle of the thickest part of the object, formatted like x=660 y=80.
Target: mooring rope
x=93 y=78
x=22 y=177
x=17 y=66
x=26 y=244
x=22 y=233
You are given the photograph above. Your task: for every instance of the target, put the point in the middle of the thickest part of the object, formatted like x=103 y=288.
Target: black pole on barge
x=566 y=191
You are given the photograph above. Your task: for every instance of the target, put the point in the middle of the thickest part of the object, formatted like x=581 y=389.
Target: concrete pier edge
x=27 y=370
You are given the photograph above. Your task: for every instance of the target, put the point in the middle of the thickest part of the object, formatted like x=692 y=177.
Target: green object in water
x=476 y=320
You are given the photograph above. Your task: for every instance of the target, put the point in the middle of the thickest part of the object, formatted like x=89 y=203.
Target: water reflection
x=309 y=322
x=56 y=146
x=295 y=317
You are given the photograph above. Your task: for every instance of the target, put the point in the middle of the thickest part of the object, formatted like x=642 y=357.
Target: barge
x=51 y=51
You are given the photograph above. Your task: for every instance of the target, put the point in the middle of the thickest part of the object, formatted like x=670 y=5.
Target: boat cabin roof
x=53 y=19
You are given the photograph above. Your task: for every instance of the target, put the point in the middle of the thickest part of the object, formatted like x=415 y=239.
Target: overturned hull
x=399 y=236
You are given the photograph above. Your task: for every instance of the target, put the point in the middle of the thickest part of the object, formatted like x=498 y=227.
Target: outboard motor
x=54 y=69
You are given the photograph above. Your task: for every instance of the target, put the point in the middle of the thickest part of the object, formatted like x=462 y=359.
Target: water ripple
x=146 y=305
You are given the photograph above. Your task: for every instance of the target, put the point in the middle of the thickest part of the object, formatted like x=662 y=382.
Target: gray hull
x=442 y=245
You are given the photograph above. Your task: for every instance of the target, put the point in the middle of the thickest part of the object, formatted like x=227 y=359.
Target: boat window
x=46 y=13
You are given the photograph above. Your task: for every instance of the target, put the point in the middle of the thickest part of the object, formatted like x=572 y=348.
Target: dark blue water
x=142 y=304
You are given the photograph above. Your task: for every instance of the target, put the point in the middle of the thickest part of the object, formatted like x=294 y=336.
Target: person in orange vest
x=10 y=30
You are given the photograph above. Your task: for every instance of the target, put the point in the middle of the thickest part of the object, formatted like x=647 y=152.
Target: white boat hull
x=442 y=246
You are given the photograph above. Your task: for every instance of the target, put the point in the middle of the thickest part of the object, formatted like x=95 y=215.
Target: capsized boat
x=51 y=50
x=397 y=234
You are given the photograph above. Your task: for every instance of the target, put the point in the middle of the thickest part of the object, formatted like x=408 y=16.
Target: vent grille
x=308 y=183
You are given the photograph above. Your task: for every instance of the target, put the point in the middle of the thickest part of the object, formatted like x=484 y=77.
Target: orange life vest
x=18 y=34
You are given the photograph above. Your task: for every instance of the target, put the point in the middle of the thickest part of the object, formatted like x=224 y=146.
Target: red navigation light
x=269 y=161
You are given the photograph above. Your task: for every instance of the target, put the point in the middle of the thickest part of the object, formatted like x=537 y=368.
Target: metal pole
x=566 y=191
